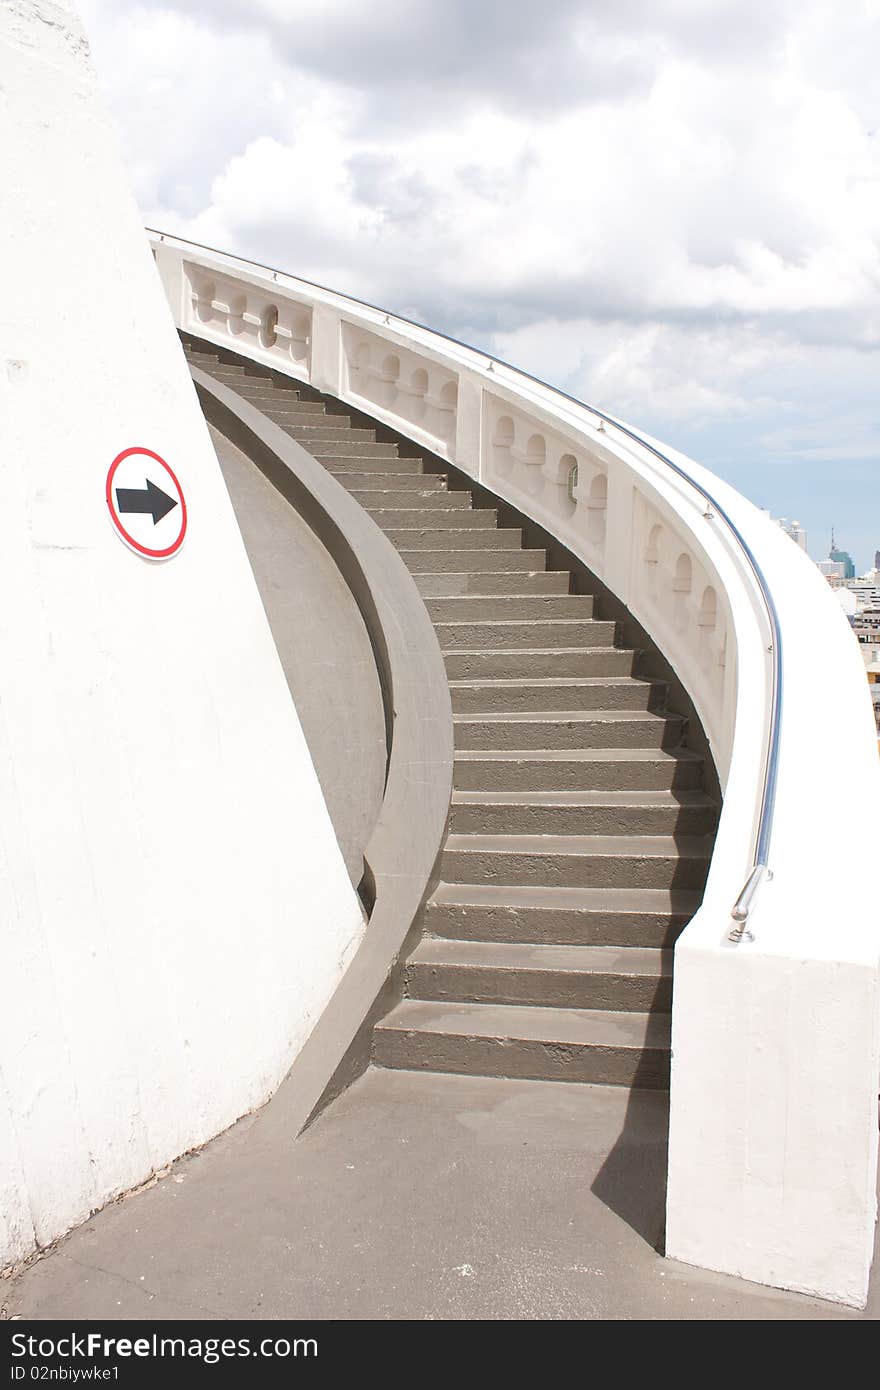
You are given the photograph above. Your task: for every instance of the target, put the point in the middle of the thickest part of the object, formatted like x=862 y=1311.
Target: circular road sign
x=146 y=503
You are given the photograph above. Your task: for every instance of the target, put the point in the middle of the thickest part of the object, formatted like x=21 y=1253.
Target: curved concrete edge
x=402 y=850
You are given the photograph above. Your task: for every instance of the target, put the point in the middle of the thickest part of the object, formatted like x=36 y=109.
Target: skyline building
x=794 y=530
x=842 y=557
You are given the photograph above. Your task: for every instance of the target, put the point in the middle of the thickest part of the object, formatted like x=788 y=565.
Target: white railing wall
x=742 y=1196
x=554 y=459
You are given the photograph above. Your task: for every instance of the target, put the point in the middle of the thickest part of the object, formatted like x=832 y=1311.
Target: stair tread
x=323 y=433
x=597 y=797
x=251 y=372
x=272 y=390
x=441 y=515
x=643 y=846
x=507 y=534
x=483 y=574
x=539 y=651
x=326 y=451
x=417 y=559
x=572 y=716
x=466 y=555
x=541 y=755
x=507 y=602
x=583 y=1027
x=651 y=961
x=425 y=480
x=441 y=519
x=519 y=623
x=547 y=682
x=519 y=895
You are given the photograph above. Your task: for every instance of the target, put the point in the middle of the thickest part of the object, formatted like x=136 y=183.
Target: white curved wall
x=174 y=908
x=773 y=1152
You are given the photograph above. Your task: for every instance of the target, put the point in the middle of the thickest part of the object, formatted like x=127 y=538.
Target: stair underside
x=580 y=834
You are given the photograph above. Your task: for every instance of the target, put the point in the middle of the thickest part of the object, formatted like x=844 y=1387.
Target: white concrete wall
x=174 y=908
x=773 y=1133
x=776 y=1046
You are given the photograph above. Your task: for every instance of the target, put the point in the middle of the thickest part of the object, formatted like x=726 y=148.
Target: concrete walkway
x=412 y=1196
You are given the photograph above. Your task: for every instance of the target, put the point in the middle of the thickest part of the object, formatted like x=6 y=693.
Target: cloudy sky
x=669 y=207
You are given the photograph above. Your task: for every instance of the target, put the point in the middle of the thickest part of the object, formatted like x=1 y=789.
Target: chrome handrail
x=760 y=870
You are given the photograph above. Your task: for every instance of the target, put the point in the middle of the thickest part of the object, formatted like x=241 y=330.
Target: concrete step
x=462 y=538
x=562 y=977
x=355 y=449
x=607 y=812
x=560 y=692
x=565 y=916
x=408 y=499
x=229 y=371
x=450 y=585
x=596 y=1045
x=438 y=520
x=205 y=361
x=529 y=633
x=267 y=387
x=577 y=861
x=251 y=385
x=279 y=401
x=543 y=663
x=554 y=729
x=424 y=561
x=366 y=463
x=378 y=479
x=503 y=607
x=256 y=380
x=220 y=358
x=323 y=433
x=576 y=769
x=283 y=408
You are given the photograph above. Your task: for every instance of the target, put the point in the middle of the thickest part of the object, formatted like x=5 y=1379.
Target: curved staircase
x=580 y=832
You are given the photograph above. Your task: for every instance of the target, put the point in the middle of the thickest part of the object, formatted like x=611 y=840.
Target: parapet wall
x=175 y=912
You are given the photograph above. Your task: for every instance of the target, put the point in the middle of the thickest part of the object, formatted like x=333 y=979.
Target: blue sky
x=668 y=207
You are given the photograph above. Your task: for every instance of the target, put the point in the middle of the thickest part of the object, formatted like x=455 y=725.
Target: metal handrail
x=760 y=870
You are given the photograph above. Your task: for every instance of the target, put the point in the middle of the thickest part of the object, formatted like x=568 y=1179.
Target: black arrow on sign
x=152 y=502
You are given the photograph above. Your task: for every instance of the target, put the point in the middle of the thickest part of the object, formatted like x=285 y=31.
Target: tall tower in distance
x=842 y=557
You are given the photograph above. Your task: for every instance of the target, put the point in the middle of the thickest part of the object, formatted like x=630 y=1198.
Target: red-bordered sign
x=146 y=503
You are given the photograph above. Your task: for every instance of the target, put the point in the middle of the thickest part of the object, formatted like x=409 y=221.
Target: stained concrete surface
x=414 y=1196
x=324 y=648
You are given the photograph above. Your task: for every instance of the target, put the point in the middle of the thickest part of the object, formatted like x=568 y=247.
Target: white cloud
x=670 y=205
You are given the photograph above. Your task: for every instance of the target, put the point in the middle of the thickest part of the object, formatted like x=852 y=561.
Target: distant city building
x=842 y=557
x=832 y=569
x=794 y=530
x=866 y=626
x=877 y=559
x=865 y=590
x=860 y=600
x=791 y=528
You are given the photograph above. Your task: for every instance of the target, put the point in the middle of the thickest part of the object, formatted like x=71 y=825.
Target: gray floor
x=413 y=1196
x=324 y=648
